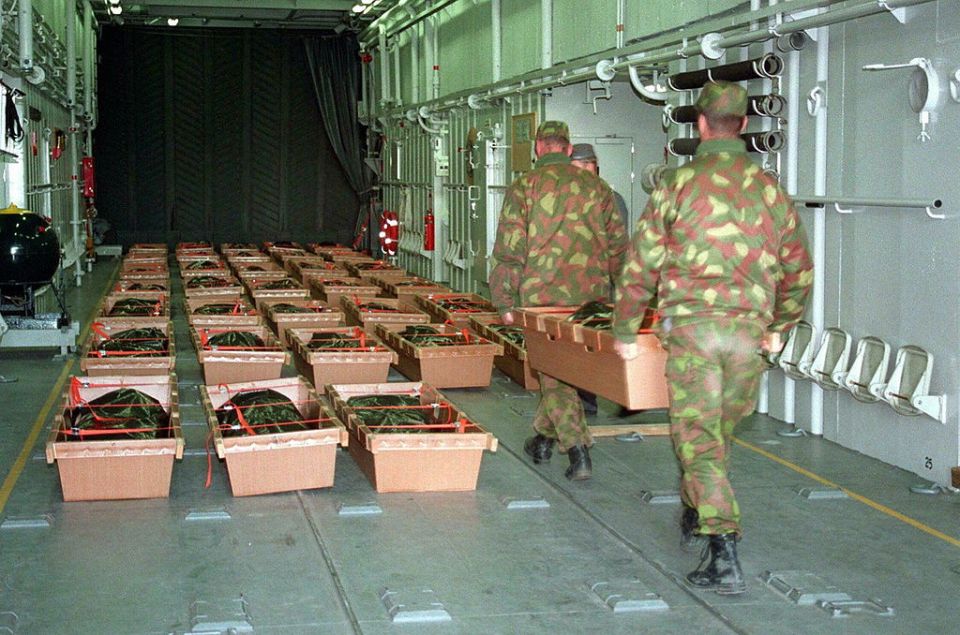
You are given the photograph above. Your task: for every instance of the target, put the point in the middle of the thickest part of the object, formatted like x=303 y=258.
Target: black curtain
x=335 y=68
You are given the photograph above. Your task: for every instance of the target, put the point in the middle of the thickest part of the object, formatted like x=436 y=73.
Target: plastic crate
x=280 y=461
x=585 y=358
x=115 y=469
x=365 y=364
x=434 y=461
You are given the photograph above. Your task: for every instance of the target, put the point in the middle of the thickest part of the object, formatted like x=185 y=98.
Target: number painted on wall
x=928 y=462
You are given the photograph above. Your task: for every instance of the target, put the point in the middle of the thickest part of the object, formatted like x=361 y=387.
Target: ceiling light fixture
x=358 y=8
x=113 y=3
x=173 y=21
x=116 y=9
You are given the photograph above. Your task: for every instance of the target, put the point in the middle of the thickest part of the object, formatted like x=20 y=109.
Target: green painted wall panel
x=581 y=28
x=465 y=47
x=521 y=37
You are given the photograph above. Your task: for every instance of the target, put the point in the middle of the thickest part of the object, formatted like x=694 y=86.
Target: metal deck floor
x=138 y=566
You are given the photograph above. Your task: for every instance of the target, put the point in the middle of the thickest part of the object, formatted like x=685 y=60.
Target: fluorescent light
x=114 y=3
x=116 y=9
x=173 y=21
x=358 y=8
x=368 y=1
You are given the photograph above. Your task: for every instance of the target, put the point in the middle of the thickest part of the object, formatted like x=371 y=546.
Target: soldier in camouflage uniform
x=722 y=249
x=560 y=242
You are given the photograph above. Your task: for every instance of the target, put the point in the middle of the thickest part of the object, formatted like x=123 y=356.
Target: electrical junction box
x=443 y=165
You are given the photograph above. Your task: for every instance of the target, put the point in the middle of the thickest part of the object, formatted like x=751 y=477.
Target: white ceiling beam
x=242 y=5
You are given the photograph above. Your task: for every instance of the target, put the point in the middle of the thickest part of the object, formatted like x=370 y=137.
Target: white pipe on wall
x=71 y=18
x=415 y=66
x=88 y=83
x=384 y=56
x=792 y=182
x=819 y=216
x=397 y=91
x=25 y=33
x=496 y=39
x=546 y=33
x=428 y=51
x=435 y=21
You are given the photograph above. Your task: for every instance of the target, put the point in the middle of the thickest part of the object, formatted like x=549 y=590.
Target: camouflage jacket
x=560 y=240
x=718 y=239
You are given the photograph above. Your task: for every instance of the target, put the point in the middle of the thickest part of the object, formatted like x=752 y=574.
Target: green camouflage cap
x=556 y=129
x=722 y=98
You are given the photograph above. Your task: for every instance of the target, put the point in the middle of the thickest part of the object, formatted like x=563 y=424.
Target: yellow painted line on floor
x=916 y=524
x=14 y=475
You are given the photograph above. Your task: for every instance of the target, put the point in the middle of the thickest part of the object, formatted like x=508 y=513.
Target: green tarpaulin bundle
x=282 y=283
x=463 y=305
x=139 y=286
x=203 y=264
x=341 y=283
x=108 y=416
x=207 y=282
x=219 y=308
x=595 y=315
x=235 y=340
x=285 y=307
x=396 y=413
x=259 y=412
x=135 y=306
x=333 y=341
x=378 y=307
x=511 y=333
x=423 y=335
x=145 y=342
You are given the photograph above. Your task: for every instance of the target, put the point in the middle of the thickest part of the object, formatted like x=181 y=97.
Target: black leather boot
x=581 y=468
x=689 y=524
x=722 y=573
x=539 y=448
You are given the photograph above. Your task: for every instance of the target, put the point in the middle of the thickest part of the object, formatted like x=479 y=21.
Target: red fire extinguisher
x=428 y=241
x=88 y=177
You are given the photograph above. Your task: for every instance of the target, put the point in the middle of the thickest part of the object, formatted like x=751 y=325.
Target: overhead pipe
x=638 y=85
x=766 y=141
x=766 y=66
x=757 y=105
x=367 y=35
x=580 y=70
x=25 y=33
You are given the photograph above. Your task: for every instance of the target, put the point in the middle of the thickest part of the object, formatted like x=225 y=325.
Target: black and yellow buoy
x=29 y=250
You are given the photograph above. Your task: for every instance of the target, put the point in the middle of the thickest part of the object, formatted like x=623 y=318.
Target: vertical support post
x=819 y=218
x=792 y=166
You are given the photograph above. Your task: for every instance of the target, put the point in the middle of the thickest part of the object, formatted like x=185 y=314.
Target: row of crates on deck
x=325 y=285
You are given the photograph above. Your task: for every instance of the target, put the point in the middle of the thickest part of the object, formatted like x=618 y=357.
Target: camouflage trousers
x=560 y=414
x=713 y=373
